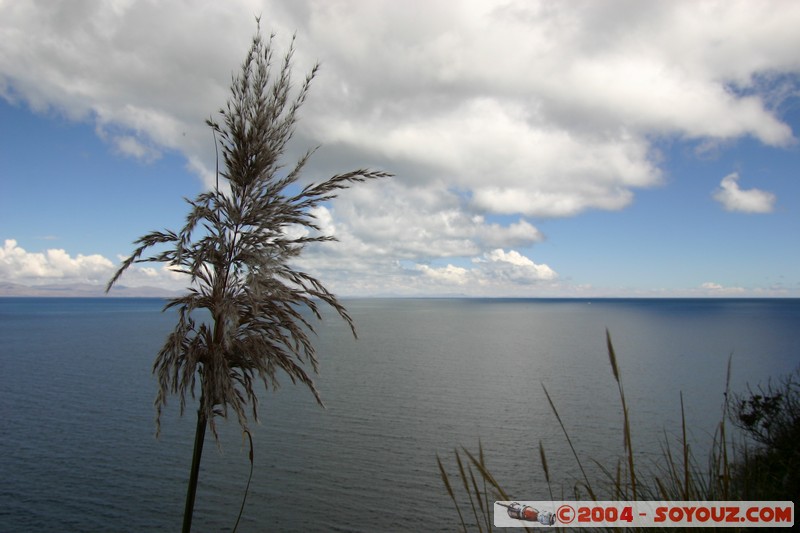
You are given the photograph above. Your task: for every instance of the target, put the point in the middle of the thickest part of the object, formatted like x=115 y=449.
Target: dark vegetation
x=761 y=462
x=770 y=416
x=236 y=251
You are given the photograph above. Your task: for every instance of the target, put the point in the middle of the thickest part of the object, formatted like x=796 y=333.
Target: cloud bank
x=493 y=115
x=56 y=266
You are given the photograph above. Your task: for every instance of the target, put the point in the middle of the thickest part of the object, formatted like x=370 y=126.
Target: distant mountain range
x=84 y=290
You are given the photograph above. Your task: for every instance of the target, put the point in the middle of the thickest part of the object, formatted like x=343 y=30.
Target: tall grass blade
x=543 y=458
x=468 y=491
x=672 y=470
x=662 y=490
x=612 y=356
x=613 y=478
x=485 y=510
x=627 y=423
x=480 y=464
x=726 y=474
x=685 y=443
x=487 y=475
x=483 y=462
x=449 y=488
x=569 y=441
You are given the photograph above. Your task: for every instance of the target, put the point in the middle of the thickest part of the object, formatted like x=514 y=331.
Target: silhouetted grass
x=765 y=465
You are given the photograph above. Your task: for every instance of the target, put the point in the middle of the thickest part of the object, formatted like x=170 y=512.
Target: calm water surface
x=425 y=376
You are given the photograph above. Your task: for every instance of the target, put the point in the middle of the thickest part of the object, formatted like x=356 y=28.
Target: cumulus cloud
x=447 y=275
x=17 y=264
x=515 y=267
x=740 y=200
x=55 y=265
x=414 y=223
x=492 y=115
x=477 y=86
x=497 y=269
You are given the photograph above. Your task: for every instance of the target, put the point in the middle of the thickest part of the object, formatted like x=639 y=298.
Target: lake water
x=424 y=377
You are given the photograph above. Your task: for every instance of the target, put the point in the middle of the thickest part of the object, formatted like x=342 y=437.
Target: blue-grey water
x=78 y=451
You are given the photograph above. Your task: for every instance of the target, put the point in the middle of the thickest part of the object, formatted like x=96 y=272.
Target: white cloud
x=55 y=265
x=446 y=275
x=510 y=163
x=508 y=271
x=17 y=264
x=491 y=114
x=733 y=198
x=585 y=80
x=515 y=267
x=388 y=220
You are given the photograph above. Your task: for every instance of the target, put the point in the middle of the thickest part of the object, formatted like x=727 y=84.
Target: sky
x=590 y=148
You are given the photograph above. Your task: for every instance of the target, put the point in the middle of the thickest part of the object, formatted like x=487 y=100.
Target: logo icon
x=528 y=513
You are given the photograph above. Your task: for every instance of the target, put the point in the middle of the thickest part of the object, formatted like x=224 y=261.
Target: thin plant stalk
x=726 y=474
x=627 y=423
x=569 y=441
x=446 y=480
x=686 y=483
x=487 y=475
x=485 y=492
x=484 y=509
x=249 y=479
x=545 y=468
x=197 y=452
x=469 y=492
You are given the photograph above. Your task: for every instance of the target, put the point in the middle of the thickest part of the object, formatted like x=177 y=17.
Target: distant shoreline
x=82 y=290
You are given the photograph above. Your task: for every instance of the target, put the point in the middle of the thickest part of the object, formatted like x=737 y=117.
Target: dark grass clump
x=765 y=466
x=770 y=417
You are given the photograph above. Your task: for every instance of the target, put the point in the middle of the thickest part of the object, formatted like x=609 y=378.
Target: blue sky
x=539 y=148
x=64 y=187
